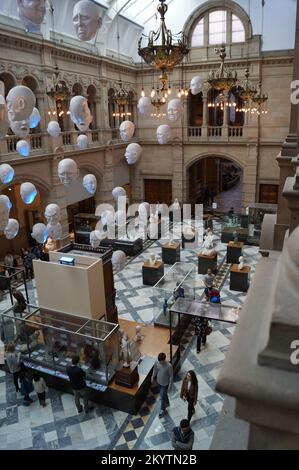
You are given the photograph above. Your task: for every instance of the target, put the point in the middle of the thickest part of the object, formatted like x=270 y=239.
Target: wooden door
x=269 y=193
x=158 y=190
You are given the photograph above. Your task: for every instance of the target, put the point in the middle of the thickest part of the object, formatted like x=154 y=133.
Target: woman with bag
x=189 y=392
x=202 y=330
x=26 y=387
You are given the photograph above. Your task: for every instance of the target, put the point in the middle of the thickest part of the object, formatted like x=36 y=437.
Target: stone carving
x=67 y=171
x=6 y=173
x=126 y=350
x=241 y=263
x=90 y=183
x=152 y=259
x=80 y=113
x=32 y=14
x=126 y=130
x=196 y=85
x=23 y=148
x=174 y=109
x=12 y=229
x=138 y=336
x=20 y=103
x=28 y=192
x=208 y=244
x=86 y=20
x=40 y=233
x=163 y=134
x=133 y=153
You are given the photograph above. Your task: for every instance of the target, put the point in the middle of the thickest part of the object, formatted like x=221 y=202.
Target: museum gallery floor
x=58 y=426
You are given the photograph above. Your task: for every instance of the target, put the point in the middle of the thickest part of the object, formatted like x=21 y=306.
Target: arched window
x=195 y=110
x=219 y=26
x=112 y=108
x=91 y=96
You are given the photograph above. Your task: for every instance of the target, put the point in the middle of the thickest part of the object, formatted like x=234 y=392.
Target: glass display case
x=255 y=214
x=50 y=339
x=83 y=225
x=178 y=282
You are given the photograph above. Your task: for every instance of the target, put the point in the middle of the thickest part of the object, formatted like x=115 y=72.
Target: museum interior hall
x=149 y=225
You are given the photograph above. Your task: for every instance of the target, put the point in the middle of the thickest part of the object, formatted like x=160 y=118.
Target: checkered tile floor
x=58 y=426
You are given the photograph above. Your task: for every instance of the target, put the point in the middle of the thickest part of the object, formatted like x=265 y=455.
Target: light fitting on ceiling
x=166 y=55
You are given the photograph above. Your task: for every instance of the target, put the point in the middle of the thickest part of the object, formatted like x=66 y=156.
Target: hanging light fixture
x=222 y=80
x=166 y=55
x=158 y=100
x=120 y=96
x=246 y=92
x=260 y=102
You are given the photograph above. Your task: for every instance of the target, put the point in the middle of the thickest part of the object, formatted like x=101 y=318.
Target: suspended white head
x=28 y=192
x=52 y=214
x=23 y=148
x=196 y=85
x=20 y=128
x=86 y=19
x=31 y=13
x=5 y=206
x=174 y=109
x=67 y=171
x=55 y=231
x=6 y=173
x=40 y=233
x=126 y=130
x=82 y=141
x=34 y=119
x=12 y=229
x=144 y=106
x=90 y=183
x=163 y=134
x=53 y=129
x=20 y=103
x=80 y=113
x=133 y=153
x=119 y=260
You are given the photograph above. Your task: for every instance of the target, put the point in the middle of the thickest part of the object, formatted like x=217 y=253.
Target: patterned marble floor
x=58 y=426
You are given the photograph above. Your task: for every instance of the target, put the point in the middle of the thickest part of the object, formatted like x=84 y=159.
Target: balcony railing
x=11 y=141
x=235 y=131
x=214 y=131
x=67 y=138
x=36 y=141
x=194 y=131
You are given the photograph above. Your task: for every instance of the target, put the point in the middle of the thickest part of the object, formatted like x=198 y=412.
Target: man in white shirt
x=163 y=375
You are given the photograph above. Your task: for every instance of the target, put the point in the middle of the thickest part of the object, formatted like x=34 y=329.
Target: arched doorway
x=216 y=179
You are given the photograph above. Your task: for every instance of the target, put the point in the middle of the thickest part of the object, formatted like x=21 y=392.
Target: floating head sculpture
x=20 y=128
x=82 y=141
x=6 y=173
x=52 y=214
x=126 y=129
x=196 y=85
x=80 y=113
x=55 y=231
x=53 y=129
x=40 y=233
x=133 y=152
x=28 y=192
x=86 y=20
x=31 y=13
x=67 y=171
x=144 y=106
x=20 y=103
x=90 y=183
x=163 y=134
x=12 y=229
x=23 y=148
x=5 y=206
x=34 y=119
x=119 y=260
x=174 y=109
x=95 y=238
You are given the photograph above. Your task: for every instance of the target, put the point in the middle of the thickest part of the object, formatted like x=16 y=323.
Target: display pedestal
x=189 y=242
x=207 y=262
x=239 y=279
x=127 y=376
x=152 y=273
x=171 y=253
x=234 y=251
x=157 y=233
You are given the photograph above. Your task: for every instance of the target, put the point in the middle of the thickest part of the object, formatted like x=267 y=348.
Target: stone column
x=179 y=184
x=105 y=193
x=205 y=115
x=99 y=118
x=42 y=107
x=291 y=194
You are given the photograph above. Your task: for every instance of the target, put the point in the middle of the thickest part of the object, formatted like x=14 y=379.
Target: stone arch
x=212 y=5
x=225 y=155
x=31 y=82
x=42 y=186
x=77 y=89
x=9 y=81
x=91 y=167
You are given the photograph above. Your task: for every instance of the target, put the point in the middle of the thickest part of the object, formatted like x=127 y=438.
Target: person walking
x=40 y=387
x=26 y=387
x=189 y=392
x=163 y=375
x=9 y=262
x=209 y=281
x=21 y=304
x=14 y=364
x=77 y=380
x=182 y=436
x=28 y=263
x=202 y=330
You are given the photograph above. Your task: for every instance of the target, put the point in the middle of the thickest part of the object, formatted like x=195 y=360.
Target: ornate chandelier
x=167 y=55
x=260 y=102
x=158 y=100
x=58 y=90
x=222 y=79
x=121 y=97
